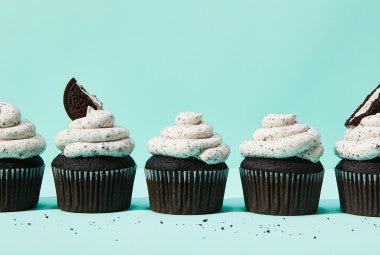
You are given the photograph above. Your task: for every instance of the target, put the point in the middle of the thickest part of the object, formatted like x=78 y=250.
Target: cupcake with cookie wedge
x=187 y=173
x=21 y=167
x=281 y=173
x=358 y=172
x=95 y=172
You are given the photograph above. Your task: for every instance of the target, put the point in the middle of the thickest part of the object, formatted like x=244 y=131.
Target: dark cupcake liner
x=186 y=192
x=94 y=191
x=277 y=193
x=359 y=193
x=20 y=188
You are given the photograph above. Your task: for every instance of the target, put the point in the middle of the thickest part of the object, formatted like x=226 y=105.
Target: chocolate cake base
x=185 y=186
x=289 y=186
x=93 y=185
x=20 y=183
x=359 y=186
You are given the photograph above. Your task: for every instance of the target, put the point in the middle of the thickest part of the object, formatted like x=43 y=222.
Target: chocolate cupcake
x=281 y=173
x=187 y=173
x=358 y=172
x=21 y=167
x=95 y=172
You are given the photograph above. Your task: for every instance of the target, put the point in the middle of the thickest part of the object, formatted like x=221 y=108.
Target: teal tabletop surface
x=47 y=230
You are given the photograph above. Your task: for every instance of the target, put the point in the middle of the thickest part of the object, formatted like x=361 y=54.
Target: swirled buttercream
x=95 y=135
x=361 y=142
x=282 y=137
x=18 y=138
x=190 y=137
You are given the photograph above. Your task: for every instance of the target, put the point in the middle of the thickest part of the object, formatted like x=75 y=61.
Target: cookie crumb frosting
x=18 y=137
x=283 y=137
x=95 y=135
x=190 y=137
x=361 y=142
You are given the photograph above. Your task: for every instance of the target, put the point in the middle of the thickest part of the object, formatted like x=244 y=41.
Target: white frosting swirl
x=361 y=142
x=18 y=138
x=282 y=137
x=190 y=137
x=95 y=135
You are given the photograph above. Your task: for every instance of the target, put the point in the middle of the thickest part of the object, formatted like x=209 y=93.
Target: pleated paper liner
x=277 y=193
x=20 y=188
x=186 y=192
x=94 y=191
x=359 y=193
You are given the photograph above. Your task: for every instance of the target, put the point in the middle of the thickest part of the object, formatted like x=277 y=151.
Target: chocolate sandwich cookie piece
x=76 y=100
x=370 y=106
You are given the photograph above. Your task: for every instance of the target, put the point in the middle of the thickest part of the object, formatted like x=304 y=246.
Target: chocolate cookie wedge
x=370 y=106
x=76 y=100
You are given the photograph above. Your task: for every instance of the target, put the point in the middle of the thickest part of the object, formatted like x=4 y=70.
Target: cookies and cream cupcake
x=95 y=172
x=21 y=167
x=187 y=173
x=281 y=173
x=358 y=172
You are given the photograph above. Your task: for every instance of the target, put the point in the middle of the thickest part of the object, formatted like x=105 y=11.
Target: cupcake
x=358 y=172
x=95 y=172
x=281 y=173
x=21 y=167
x=187 y=173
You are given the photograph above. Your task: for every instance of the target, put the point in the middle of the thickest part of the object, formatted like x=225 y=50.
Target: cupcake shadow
x=47 y=203
x=326 y=206
x=140 y=203
x=233 y=205
x=50 y=203
x=329 y=206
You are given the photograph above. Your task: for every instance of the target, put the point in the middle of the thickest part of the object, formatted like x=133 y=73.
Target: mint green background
x=235 y=61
